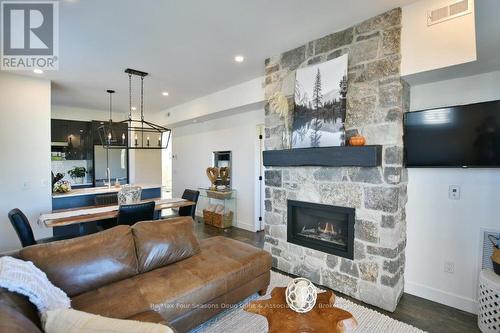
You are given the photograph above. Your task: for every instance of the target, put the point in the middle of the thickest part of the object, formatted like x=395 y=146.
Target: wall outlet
x=454 y=192
x=449 y=267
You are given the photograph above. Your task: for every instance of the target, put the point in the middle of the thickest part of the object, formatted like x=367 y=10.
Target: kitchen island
x=83 y=197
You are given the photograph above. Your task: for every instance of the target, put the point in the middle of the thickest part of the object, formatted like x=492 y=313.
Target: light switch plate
x=454 y=192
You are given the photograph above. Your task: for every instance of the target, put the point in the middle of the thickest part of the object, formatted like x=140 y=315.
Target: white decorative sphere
x=301 y=295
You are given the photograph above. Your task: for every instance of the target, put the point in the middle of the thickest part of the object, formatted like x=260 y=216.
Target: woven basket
x=218 y=220
x=207 y=217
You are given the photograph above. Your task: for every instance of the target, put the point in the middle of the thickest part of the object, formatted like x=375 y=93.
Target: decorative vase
x=213 y=174
x=301 y=295
x=129 y=195
x=224 y=175
x=78 y=180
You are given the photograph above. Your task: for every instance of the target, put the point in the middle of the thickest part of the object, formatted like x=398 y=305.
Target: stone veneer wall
x=376 y=101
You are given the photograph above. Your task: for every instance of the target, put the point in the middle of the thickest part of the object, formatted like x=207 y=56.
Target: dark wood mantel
x=361 y=156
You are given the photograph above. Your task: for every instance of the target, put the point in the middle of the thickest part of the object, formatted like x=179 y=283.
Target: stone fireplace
x=369 y=200
x=325 y=228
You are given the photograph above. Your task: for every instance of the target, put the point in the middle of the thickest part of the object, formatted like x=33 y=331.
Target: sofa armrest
x=12 y=321
x=17 y=314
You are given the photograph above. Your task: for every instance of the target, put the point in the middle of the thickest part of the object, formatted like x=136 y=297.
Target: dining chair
x=23 y=229
x=190 y=195
x=106 y=200
x=130 y=214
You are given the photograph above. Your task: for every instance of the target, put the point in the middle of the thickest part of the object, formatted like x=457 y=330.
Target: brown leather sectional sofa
x=155 y=271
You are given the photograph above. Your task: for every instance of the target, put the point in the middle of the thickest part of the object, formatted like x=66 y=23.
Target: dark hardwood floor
x=424 y=314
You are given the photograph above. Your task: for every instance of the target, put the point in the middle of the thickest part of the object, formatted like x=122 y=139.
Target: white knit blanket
x=23 y=277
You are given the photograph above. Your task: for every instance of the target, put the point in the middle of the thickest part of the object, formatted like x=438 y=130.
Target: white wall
x=440 y=229
x=145 y=166
x=25 y=151
x=192 y=151
x=425 y=48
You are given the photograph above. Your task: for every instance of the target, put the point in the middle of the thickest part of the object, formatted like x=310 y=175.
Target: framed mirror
x=222 y=159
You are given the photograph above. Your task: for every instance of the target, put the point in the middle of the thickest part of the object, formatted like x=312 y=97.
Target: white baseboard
x=240 y=224
x=443 y=297
x=246 y=226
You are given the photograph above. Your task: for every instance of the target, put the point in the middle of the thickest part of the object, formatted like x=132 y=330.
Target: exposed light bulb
x=239 y=58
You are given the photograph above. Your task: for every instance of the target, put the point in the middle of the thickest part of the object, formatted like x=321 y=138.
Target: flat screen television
x=456 y=136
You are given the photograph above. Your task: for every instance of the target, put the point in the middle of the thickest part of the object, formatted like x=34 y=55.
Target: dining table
x=88 y=214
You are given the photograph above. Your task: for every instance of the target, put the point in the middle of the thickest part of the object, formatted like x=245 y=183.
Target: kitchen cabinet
x=73 y=138
x=78 y=141
x=59 y=131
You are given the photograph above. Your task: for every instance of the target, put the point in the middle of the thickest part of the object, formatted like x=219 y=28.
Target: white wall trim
x=245 y=226
x=440 y=296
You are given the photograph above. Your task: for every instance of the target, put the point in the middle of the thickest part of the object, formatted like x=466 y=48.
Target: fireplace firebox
x=321 y=227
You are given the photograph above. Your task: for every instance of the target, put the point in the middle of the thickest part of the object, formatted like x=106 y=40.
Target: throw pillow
x=73 y=321
x=159 y=243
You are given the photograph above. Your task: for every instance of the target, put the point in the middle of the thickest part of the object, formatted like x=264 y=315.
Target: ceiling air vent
x=448 y=12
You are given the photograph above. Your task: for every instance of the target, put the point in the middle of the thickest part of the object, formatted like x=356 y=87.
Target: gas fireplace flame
x=327 y=229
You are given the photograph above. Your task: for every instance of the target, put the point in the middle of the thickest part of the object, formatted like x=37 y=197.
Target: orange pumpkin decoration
x=357 y=140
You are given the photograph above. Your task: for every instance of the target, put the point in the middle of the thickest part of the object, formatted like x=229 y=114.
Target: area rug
x=238 y=320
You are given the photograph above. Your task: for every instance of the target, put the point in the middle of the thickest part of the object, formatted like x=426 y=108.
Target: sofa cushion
x=81 y=264
x=69 y=320
x=159 y=243
x=122 y=299
x=221 y=265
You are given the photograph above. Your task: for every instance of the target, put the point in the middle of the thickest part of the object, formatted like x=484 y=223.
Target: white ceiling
x=188 y=46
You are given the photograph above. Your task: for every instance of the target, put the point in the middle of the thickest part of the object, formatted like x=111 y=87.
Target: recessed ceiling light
x=239 y=58
x=37 y=71
x=133 y=108
x=165 y=93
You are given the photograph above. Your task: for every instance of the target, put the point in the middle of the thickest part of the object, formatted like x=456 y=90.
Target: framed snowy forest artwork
x=320 y=104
